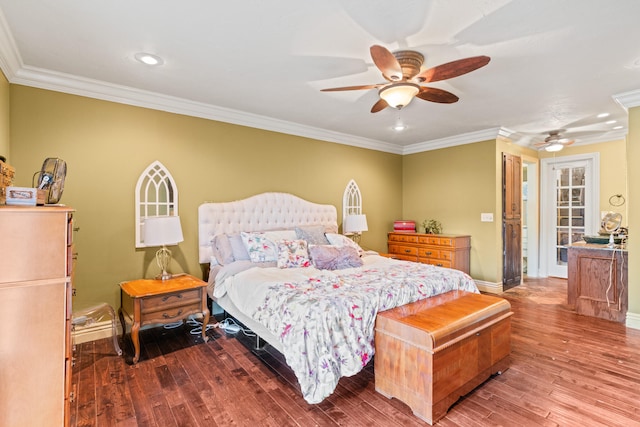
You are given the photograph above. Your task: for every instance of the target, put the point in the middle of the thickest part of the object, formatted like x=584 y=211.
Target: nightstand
x=153 y=301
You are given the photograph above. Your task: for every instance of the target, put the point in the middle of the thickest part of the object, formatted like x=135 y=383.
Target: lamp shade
x=399 y=95
x=162 y=230
x=355 y=223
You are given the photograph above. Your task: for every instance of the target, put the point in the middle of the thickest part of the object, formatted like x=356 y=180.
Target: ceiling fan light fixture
x=552 y=148
x=399 y=95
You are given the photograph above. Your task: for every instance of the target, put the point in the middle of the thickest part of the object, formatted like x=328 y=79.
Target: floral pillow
x=259 y=247
x=293 y=254
x=327 y=257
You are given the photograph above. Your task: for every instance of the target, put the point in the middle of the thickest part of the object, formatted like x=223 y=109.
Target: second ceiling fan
x=401 y=69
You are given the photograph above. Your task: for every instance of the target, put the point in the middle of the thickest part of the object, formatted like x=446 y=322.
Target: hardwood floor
x=566 y=370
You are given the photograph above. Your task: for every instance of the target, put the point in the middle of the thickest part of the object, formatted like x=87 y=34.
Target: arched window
x=351 y=205
x=156 y=195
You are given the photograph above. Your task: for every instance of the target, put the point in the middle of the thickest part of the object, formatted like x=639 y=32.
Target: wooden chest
x=432 y=352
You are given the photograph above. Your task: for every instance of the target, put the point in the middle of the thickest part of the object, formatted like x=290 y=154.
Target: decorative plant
x=432 y=226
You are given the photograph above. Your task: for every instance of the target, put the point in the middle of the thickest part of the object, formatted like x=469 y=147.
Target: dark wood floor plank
x=566 y=370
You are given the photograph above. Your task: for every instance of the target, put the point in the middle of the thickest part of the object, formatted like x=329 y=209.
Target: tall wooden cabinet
x=35 y=315
x=511 y=220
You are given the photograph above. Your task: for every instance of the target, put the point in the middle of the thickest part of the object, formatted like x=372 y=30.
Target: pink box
x=404 y=226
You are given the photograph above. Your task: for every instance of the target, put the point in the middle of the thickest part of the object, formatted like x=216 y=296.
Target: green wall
x=107 y=146
x=454 y=185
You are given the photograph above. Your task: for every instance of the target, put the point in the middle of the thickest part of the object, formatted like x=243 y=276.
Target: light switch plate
x=486 y=217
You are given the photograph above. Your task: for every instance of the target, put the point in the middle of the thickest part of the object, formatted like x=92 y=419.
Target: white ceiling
x=555 y=64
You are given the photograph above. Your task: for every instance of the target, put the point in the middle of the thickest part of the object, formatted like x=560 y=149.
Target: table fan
x=51 y=179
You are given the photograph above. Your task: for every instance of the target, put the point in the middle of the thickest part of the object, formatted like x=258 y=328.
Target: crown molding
x=66 y=83
x=452 y=141
x=10 y=59
x=628 y=99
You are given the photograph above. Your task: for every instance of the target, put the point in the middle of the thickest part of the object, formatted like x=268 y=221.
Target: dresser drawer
x=428 y=253
x=169 y=301
x=436 y=240
x=436 y=262
x=403 y=250
x=448 y=255
x=408 y=238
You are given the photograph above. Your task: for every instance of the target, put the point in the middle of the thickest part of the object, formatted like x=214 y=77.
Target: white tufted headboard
x=262 y=212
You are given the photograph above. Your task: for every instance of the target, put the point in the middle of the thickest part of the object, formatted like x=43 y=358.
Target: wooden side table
x=153 y=301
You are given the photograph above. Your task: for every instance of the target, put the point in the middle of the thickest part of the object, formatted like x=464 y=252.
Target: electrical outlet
x=486 y=217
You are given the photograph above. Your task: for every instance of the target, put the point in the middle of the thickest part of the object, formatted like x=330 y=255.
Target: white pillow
x=340 y=240
x=260 y=248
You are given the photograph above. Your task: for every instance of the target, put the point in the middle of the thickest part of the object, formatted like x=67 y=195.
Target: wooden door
x=511 y=220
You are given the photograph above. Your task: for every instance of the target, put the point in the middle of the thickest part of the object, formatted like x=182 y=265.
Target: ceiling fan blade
x=436 y=95
x=386 y=62
x=335 y=89
x=379 y=106
x=453 y=69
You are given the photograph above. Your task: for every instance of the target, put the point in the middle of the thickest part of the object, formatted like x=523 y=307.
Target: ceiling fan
x=402 y=70
x=555 y=141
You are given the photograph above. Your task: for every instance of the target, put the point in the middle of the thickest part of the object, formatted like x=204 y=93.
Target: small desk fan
x=51 y=179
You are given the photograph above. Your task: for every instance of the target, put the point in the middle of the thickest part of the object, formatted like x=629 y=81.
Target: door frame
x=547 y=201
x=532 y=218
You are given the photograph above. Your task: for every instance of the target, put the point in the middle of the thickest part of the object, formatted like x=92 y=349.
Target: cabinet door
x=511 y=224
x=512 y=186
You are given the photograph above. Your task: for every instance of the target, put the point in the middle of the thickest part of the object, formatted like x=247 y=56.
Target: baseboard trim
x=633 y=320
x=489 y=287
x=94 y=331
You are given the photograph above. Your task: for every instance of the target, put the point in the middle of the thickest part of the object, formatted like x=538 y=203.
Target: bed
x=317 y=301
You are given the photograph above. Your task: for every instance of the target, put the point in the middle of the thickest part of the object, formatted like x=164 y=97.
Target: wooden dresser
x=443 y=250
x=597 y=284
x=36 y=265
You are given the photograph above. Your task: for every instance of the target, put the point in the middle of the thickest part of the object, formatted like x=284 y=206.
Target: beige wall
x=4 y=117
x=633 y=163
x=613 y=171
x=107 y=146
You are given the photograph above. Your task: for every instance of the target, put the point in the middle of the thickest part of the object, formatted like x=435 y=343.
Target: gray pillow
x=325 y=257
x=240 y=252
x=314 y=234
x=228 y=249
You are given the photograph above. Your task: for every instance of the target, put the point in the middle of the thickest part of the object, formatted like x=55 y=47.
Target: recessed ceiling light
x=610 y=122
x=602 y=115
x=617 y=127
x=148 y=58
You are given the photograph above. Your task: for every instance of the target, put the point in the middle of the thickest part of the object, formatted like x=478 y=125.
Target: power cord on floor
x=228 y=325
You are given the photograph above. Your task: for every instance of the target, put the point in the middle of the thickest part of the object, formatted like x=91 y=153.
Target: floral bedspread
x=326 y=321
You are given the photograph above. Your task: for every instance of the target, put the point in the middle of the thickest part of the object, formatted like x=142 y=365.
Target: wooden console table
x=597 y=282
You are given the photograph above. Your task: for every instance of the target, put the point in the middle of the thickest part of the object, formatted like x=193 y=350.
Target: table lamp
x=355 y=225
x=162 y=231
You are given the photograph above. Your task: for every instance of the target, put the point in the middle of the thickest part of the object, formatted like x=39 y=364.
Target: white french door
x=570 y=194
